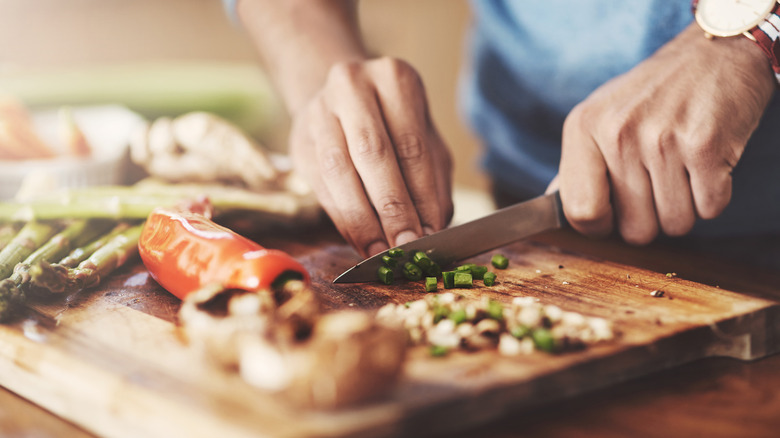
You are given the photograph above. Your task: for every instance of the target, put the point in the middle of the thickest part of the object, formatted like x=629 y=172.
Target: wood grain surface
x=110 y=360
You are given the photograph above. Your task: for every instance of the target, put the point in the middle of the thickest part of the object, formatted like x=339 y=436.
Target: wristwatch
x=757 y=20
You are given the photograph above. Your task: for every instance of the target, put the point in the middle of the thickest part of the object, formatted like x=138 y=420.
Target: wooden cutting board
x=111 y=360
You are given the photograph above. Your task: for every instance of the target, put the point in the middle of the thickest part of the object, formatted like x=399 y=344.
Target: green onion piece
x=499 y=261
x=431 y=284
x=448 y=278
x=389 y=261
x=521 y=331
x=458 y=316
x=478 y=271
x=422 y=260
x=495 y=310
x=439 y=313
x=543 y=339
x=438 y=351
x=489 y=279
x=412 y=271
x=395 y=252
x=434 y=270
x=408 y=304
x=385 y=275
x=463 y=279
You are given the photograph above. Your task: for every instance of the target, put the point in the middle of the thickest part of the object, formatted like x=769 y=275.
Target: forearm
x=299 y=40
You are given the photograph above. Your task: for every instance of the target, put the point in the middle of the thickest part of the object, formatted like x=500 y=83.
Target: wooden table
x=713 y=397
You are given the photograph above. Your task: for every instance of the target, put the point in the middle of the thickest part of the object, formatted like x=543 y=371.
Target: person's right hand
x=368 y=147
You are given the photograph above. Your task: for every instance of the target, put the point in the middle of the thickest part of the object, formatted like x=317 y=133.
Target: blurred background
x=173 y=56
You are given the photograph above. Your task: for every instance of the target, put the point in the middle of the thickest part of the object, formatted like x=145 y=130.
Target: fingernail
x=376 y=248
x=405 y=236
x=428 y=230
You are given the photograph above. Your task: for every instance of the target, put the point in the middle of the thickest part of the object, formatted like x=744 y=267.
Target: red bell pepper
x=185 y=251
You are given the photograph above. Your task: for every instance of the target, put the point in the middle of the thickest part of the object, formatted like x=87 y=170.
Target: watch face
x=731 y=17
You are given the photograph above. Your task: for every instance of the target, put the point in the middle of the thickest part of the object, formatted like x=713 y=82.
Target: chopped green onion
x=439 y=313
x=431 y=284
x=520 y=331
x=543 y=339
x=499 y=261
x=434 y=270
x=495 y=310
x=389 y=261
x=478 y=271
x=408 y=304
x=463 y=279
x=412 y=271
x=489 y=279
x=458 y=316
x=385 y=275
x=422 y=260
x=438 y=350
x=448 y=278
x=395 y=252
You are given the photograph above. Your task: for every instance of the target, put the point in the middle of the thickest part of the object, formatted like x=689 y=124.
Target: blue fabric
x=230 y=10
x=531 y=61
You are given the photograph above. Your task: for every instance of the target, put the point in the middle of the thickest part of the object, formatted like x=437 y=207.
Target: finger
x=444 y=177
x=341 y=191
x=584 y=181
x=672 y=194
x=711 y=189
x=403 y=105
x=301 y=150
x=554 y=185
x=633 y=201
x=372 y=154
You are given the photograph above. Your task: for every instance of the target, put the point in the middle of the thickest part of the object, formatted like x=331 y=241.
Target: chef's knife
x=463 y=241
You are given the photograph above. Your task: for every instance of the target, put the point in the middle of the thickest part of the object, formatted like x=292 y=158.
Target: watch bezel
x=723 y=33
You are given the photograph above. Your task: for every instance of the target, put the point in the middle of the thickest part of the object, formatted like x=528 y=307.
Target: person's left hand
x=653 y=149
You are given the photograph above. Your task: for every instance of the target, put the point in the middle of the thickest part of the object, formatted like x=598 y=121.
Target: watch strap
x=767 y=36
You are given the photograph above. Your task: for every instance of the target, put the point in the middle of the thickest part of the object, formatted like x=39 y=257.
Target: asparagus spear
x=81 y=253
x=30 y=237
x=54 y=278
x=7 y=232
x=77 y=233
x=129 y=202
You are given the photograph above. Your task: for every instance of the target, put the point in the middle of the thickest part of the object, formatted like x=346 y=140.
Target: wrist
x=757 y=21
x=300 y=40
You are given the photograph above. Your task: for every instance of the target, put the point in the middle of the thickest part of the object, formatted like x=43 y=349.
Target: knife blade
x=497 y=229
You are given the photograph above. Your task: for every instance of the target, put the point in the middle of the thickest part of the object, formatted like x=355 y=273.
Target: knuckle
x=698 y=152
x=370 y=147
x=615 y=137
x=397 y=68
x=409 y=147
x=392 y=207
x=333 y=161
x=344 y=72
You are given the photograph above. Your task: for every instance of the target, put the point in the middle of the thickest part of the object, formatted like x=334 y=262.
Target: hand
x=654 y=148
x=369 y=149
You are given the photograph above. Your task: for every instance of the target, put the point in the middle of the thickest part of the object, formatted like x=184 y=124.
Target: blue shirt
x=532 y=61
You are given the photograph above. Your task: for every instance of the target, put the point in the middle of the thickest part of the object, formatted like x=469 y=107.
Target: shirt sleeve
x=230 y=10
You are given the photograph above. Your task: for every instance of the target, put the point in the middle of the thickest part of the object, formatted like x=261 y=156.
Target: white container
x=107 y=130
